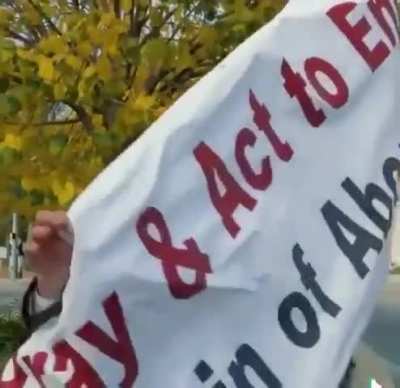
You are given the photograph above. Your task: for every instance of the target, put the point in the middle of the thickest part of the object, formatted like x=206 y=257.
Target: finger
x=41 y=232
x=59 y=221
x=34 y=255
x=54 y=219
x=32 y=250
x=64 y=227
x=67 y=235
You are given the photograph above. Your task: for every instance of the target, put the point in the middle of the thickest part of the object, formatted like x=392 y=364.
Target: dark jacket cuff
x=32 y=319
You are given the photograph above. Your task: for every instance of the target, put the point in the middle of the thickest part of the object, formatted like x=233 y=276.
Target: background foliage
x=81 y=79
x=11 y=333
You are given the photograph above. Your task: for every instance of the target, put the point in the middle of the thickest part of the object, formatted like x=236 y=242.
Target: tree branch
x=141 y=23
x=174 y=32
x=186 y=75
x=117 y=9
x=83 y=116
x=21 y=38
x=44 y=123
x=40 y=11
x=152 y=34
x=179 y=27
x=168 y=16
x=132 y=17
x=131 y=79
x=153 y=81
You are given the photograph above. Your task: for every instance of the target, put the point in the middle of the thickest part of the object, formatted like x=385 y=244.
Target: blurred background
x=82 y=79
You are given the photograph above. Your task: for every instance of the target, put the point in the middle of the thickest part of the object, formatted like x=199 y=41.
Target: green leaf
x=16 y=188
x=9 y=105
x=131 y=50
x=37 y=198
x=6 y=44
x=103 y=139
x=4 y=84
x=156 y=17
x=57 y=144
x=14 y=104
x=155 y=52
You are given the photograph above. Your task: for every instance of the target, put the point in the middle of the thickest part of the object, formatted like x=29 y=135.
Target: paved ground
x=386 y=321
x=11 y=294
x=383 y=333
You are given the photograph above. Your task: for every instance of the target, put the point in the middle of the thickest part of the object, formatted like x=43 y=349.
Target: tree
x=80 y=79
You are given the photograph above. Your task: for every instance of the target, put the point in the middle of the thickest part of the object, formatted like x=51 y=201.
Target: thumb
x=66 y=233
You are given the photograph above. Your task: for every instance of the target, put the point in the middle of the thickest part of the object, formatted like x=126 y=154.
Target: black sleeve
x=30 y=318
x=346 y=380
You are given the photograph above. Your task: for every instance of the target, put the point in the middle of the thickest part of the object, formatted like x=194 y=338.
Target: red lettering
x=171 y=257
x=295 y=85
x=225 y=204
x=36 y=366
x=318 y=65
x=120 y=350
x=356 y=34
x=262 y=118
x=19 y=378
x=261 y=181
x=83 y=373
x=378 y=7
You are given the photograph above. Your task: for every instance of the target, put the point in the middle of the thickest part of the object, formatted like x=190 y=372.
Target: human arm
x=49 y=253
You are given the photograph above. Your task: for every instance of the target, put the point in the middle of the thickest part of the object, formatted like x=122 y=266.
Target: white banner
x=240 y=242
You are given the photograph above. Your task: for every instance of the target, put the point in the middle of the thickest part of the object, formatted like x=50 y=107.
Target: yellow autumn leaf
x=13 y=141
x=60 y=90
x=143 y=102
x=126 y=5
x=26 y=54
x=95 y=35
x=128 y=117
x=28 y=183
x=106 y=19
x=82 y=89
x=208 y=34
x=5 y=17
x=184 y=59
x=73 y=61
x=67 y=194
x=104 y=68
x=64 y=192
x=84 y=49
x=46 y=68
x=97 y=121
x=111 y=44
x=89 y=71
x=160 y=111
x=33 y=16
x=54 y=44
x=10 y=128
x=242 y=11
